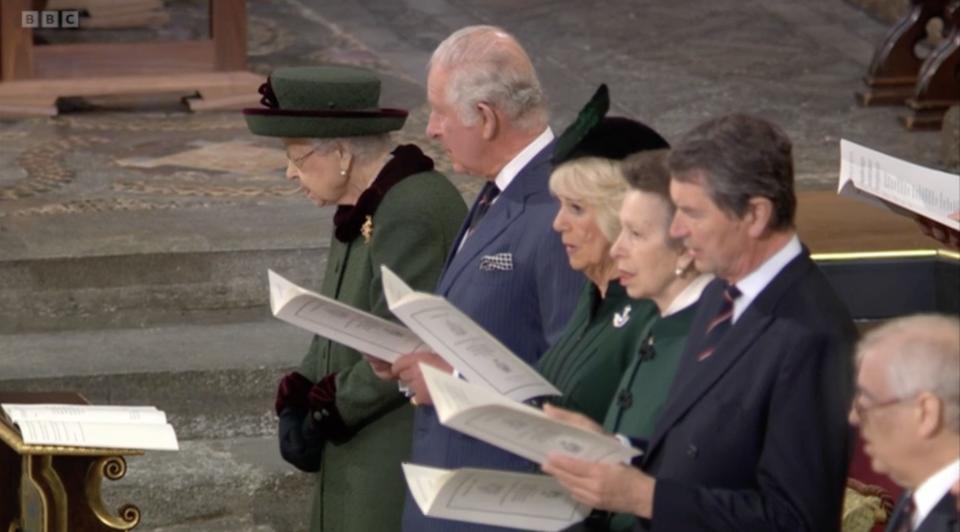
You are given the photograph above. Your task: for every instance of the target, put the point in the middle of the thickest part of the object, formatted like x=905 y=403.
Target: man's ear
x=930 y=414
x=489 y=121
x=758 y=215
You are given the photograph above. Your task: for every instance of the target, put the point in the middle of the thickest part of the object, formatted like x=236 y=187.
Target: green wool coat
x=360 y=486
x=646 y=383
x=588 y=360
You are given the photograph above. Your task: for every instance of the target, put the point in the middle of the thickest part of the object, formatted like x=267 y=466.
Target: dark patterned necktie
x=720 y=324
x=905 y=520
x=484 y=200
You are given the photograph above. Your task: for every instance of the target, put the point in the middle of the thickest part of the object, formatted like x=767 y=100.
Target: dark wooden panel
x=228 y=27
x=16 y=42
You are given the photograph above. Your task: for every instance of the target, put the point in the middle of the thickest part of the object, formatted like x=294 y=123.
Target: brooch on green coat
x=367 y=229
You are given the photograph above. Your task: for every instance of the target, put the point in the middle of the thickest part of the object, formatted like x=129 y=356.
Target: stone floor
x=102 y=181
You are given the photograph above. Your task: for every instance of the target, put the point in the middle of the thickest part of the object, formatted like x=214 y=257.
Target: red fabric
x=292 y=392
x=323 y=394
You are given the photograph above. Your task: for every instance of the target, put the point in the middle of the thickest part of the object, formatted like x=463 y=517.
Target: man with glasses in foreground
x=908 y=410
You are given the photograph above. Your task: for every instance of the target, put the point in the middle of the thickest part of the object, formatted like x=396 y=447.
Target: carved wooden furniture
x=893 y=71
x=33 y=77
x=56 y=489
x=938 y=82
x=897 y=75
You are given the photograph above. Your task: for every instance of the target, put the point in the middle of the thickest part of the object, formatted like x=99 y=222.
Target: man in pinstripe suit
x=507 y=269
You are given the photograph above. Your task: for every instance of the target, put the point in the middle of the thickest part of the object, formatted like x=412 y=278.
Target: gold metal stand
x=56 y=489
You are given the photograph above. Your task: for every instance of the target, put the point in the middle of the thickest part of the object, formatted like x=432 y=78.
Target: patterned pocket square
x=499 y=262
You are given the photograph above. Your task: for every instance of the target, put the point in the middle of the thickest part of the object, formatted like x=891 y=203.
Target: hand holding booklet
x=898 y=185
x=97 y=426
x=499 y=498
x=464 y=344
x=515 y=427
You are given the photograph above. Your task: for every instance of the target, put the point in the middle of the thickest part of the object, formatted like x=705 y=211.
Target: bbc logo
x=50 y=19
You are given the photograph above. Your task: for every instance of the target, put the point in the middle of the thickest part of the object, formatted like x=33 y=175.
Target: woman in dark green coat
x=650 y=264
x=337 y=418
x=595 y=347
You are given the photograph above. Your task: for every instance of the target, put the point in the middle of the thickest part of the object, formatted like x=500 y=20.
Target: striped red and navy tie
x=720 y=324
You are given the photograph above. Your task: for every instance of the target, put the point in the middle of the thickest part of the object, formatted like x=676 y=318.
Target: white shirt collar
x=689 y=295
x=754 y=283
x=519 y=161
x=932 y=490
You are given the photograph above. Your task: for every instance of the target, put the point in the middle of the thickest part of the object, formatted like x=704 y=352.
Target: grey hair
x=739 y=157
x=363 y=148
x=487 y=64
x=598 y=182
x=924 y=354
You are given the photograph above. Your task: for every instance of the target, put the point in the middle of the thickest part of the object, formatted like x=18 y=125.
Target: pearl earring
x=343 y=172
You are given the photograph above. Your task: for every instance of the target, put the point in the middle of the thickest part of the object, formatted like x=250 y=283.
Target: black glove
x=300 y=443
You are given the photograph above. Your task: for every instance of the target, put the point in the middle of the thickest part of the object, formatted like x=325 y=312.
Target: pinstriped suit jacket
x=526 y=308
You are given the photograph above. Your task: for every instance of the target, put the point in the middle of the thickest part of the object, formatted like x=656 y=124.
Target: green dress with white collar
x=646 y=382
x=589 y=359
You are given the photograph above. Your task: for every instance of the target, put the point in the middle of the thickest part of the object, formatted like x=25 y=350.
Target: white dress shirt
x=754 y=283
x=522 y=159
x=689 y=295
x=932 y=490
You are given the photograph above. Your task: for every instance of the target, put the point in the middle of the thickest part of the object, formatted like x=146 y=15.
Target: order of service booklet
x=464 y=344
x=98 y=426
x=500 y=498
x=515 y=427
x=341 y=323
x=431 y=319
x=898 y=185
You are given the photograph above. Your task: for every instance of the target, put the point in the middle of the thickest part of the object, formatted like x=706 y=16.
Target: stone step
x=235 y=484
x=146 y=289
x=225 y=524
x=216 y=383
x=213 y=381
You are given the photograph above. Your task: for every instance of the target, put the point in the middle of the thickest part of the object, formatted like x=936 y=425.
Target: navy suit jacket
x=755 y=437
x=525 y=308
x=943 y=517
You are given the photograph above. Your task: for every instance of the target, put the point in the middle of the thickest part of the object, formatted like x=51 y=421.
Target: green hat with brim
x=322 y=102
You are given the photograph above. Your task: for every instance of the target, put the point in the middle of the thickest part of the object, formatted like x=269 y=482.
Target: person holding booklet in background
x=939 y=232
x=507 y=269
x=650 y=264
x=336 y=417
x=595 y=348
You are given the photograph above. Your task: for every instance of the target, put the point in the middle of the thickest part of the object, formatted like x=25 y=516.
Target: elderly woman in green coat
x=337 y=418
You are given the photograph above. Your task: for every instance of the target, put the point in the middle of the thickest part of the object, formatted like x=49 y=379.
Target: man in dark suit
x=908 y=410
x=753 y=435
x=507 y=269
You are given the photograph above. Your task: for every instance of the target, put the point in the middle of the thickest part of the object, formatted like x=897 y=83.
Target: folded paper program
x=515 y=427
x=898 y=185
x=464 y=344
x=500 y=498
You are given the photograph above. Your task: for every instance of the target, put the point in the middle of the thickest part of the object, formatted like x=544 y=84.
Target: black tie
x=486 y=197
x=720 y=324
